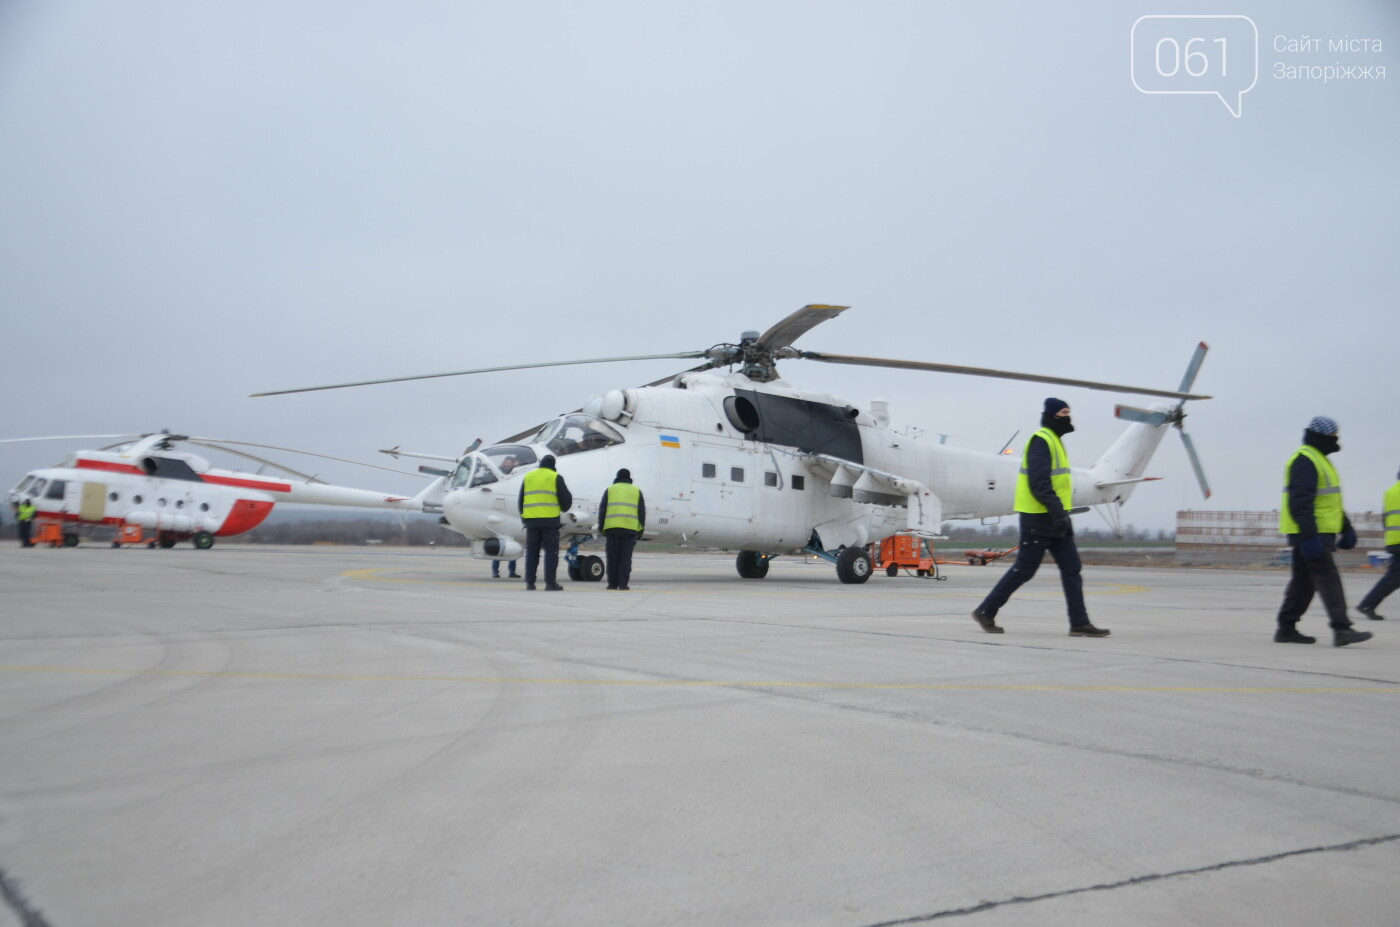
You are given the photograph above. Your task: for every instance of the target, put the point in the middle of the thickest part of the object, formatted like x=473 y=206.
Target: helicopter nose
x=477 y=512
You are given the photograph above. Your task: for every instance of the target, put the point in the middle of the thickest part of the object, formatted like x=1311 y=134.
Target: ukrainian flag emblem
x=670 y=441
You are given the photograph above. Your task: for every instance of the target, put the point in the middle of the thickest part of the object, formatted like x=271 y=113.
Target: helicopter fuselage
x=176 y=495
x=726 y=463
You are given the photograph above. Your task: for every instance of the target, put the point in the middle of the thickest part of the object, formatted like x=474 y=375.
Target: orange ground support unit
x=47 y=532
x=905 y=552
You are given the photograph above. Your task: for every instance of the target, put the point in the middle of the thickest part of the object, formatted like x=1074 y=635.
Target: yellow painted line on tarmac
x=702 y=683
x=377 y=574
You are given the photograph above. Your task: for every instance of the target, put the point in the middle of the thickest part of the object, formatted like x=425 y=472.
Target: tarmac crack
x=28 y=915
x=1136 y=880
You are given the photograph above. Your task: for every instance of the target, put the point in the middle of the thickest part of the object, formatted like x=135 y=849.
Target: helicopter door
x=721 y=495
x=94 y=502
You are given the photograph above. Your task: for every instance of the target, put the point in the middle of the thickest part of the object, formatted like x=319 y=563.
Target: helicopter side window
x=56 y=489
x=770 y=478
x=580 y=433
x=798 y=482
x=736 y=474
x=483 y=475
x=708 y=471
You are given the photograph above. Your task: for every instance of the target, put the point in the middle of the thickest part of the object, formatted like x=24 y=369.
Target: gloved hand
x=1347 y=540
x=1060 y=523
x=1311 y=548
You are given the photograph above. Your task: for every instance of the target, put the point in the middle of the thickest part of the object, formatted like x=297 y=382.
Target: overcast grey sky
x=200 y=200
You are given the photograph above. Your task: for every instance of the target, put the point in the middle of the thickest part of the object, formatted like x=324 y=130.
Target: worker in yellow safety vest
x=1315 y=522
x=1044 y=496
x=24 y=519
x=1391 y=580
x=543 y=498
x=623 y=517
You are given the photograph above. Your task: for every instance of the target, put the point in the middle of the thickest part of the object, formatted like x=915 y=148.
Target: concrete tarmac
x=362 y=736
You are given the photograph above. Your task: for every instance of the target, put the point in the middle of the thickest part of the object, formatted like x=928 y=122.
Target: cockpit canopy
x=574 y=433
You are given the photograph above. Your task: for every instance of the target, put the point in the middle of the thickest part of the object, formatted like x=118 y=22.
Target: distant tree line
x=1007 y=534
x=415 y=532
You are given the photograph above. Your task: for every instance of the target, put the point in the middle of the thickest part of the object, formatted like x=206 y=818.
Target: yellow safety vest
x=541 y=494
x=1060 y=478
x=622 y=507
x=1392 y=515
x=1327 y=509
x=25 y=512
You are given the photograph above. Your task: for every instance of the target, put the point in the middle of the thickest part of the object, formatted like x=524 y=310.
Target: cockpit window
x=37 y=487
x=577 y=432
x=56 y=488
x=492 y=464
x=24 y=483
x=506 y=457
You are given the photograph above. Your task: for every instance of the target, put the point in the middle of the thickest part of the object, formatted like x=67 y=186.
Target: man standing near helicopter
x=1044 y=492
x=543 y=498
x=623 y=517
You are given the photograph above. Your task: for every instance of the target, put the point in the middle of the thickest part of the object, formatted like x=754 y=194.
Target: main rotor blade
x=1194 y=367
x=798 y=324
x=1196 y=464
x=986 y=372
x=218 y=445
x=67 y=438
x=461 y=373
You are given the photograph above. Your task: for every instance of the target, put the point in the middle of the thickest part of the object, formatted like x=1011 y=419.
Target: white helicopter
x=743 y=461
x=144 y=484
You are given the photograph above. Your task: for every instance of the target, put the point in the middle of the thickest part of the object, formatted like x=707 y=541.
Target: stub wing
x=847 y=479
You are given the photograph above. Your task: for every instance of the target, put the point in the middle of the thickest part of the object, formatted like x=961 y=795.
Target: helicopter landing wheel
x=590 y=569
x=853 y=565
x=203 y=540
x=751 y=564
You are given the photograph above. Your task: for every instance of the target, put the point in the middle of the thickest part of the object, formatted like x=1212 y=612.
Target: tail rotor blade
x=1195 y=464
x=1194 y=367
x=1134 y=414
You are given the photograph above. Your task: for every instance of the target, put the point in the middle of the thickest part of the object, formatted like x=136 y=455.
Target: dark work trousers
x=619 y=542
x=1311 y=576
x=25 y=530
x=541 y=539
x=1387 y=583
x=1034 y=547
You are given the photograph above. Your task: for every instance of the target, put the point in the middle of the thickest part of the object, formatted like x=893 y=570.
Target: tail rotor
x=1175 y=416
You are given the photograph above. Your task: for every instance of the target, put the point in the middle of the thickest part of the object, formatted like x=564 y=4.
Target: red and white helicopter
x=145 y=484
x=744 y=461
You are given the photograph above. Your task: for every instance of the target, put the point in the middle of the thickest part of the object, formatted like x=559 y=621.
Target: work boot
x=1088 y=630
x=529 y=587
x=1291 y=636
x=553 y=587
x=1370 y=613
x=988 y=624
x=1349 y=636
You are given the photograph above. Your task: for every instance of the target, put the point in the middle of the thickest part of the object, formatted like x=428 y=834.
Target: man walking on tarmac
x=543 y=498
x=1044 y=490
x=1391 y=580
x=1315 y=522
x=623 y=517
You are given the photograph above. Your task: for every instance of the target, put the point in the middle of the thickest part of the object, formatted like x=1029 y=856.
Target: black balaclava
x=1060 y=425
